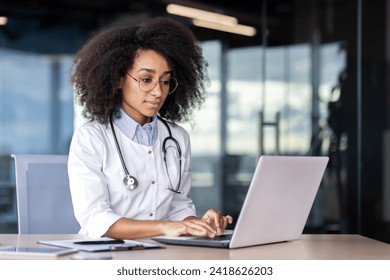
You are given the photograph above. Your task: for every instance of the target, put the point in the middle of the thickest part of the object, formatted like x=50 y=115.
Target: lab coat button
x=149 y=152
x=151 y=214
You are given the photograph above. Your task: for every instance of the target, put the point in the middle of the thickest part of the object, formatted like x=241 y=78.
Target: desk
x=308 y=247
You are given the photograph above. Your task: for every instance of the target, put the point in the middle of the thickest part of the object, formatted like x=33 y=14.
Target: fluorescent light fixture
x=3 y=20
x=211 y=20
x=201 y=15
x=237 y=29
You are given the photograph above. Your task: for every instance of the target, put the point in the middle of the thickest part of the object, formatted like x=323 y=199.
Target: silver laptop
x=276 y=207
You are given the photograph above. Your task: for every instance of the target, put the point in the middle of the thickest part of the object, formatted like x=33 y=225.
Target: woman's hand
x=211 y=224
x=189 y=226
x=217 y=221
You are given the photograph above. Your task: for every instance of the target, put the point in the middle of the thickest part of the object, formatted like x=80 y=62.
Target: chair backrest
x=44 y=204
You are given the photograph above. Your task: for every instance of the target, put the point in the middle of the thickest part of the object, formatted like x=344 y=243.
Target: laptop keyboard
x=222 y=237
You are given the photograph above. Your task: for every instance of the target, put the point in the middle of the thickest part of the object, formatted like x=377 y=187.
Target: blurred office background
x=308 y=78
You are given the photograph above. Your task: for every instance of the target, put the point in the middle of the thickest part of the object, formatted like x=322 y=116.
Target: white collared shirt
x=96 y=178
x=145 y=135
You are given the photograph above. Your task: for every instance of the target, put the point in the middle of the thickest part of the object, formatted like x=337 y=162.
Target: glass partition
x=36 y=116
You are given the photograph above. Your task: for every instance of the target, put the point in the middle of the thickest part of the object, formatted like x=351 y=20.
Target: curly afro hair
x=104 y=60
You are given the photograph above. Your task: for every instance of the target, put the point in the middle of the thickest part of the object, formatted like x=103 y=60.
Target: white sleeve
x=88 y=184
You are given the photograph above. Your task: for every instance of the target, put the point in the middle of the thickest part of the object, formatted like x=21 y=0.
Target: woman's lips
x=153 y=104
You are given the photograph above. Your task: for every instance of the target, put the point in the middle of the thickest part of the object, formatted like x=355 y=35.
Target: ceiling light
x=201 y=15
x=237 y=29
x=3 y=20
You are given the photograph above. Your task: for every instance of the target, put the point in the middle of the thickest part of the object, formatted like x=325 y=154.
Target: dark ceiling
x=94 y=10
x=31 y=19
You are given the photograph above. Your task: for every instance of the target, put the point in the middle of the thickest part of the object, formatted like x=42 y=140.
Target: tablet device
x=35 y=251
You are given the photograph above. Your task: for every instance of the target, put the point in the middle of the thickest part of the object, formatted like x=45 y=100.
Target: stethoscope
x=131 y=182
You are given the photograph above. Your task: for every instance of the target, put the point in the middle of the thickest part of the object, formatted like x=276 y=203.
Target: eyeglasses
x=147 y=84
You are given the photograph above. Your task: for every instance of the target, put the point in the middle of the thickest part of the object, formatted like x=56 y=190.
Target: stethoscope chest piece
x=130 y=182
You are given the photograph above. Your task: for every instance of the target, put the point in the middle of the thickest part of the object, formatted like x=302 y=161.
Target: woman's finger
x=200 y=228
x=214 y=217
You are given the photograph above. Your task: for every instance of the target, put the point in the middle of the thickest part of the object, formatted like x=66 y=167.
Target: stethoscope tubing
x=130 y=181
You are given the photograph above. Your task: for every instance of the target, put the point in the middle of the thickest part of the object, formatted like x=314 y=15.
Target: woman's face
x=138 y=104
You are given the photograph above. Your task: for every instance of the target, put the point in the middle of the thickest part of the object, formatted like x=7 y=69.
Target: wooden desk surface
x=316 y=247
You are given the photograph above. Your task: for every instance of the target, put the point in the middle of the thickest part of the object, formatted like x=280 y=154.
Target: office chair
x=44 y=204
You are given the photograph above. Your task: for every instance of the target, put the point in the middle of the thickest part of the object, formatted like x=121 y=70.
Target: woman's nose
x=157 y=91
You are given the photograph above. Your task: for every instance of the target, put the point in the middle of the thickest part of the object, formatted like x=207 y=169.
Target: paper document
x=100 y=244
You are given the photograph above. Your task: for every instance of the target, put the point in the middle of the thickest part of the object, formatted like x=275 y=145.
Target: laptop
x=276 y=207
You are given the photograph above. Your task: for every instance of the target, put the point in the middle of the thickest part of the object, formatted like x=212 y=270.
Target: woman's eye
x=165 y=82
x=146 y=80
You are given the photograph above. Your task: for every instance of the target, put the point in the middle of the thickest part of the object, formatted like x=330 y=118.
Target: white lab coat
x=96 y=178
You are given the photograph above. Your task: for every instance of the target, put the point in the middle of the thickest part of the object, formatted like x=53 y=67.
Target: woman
x=121 y=183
